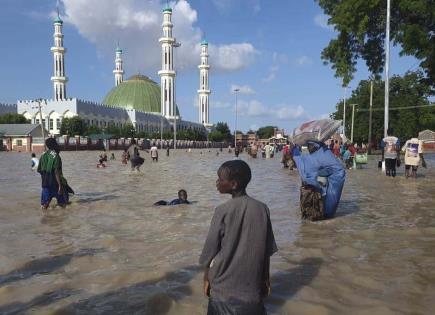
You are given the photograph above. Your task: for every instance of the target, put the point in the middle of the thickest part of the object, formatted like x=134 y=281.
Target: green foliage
x=409 y=90
x=266 y=132
x=223 y=128
x=216 y=136
x=360 y=26
x=127 y=131
x=90 y=130
x=112 y=129
x=13 y=119
x=190 y=134
x=73 y=126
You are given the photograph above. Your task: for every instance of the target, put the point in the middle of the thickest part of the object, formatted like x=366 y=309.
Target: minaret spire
x=167 y=73
x=59 y=79
x=204 y=90
x=119 y=72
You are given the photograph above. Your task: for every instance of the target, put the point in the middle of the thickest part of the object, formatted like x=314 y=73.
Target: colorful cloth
x=323 y=163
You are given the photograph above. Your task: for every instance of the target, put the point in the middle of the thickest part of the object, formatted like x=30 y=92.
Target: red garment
x=336 y=149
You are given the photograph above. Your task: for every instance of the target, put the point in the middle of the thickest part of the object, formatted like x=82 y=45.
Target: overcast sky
x=270 y=50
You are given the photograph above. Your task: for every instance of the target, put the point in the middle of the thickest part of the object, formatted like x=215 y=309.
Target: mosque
x=138 y=100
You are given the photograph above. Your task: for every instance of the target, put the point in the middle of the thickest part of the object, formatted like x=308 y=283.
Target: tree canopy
x=407 y=91
x=360 y=25
x=266 y=132
x=13 y=119
x=224 y=130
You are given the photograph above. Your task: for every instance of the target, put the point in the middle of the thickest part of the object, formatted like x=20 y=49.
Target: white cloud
x=220 y=105
x=322 y=21
x=277 y=59
x=304 y=60
x=136 y=24
x=243 y=89
x=255 y=108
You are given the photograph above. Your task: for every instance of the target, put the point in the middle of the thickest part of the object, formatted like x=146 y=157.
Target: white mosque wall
x=96 y=114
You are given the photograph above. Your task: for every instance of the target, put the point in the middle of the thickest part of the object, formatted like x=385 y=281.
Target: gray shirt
x=239 y=241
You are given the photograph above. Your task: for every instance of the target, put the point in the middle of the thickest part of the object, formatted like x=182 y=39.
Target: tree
x=223 y=128
x=406 y=91
x=73 y=126
x=93 y=130
x=360 y=25
x=112 y=129
x=127 y=131
x=13 y=119
x=266 y=132
x=215 y=136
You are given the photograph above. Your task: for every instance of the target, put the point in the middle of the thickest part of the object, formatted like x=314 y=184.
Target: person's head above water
x=233 y=177
x=182 y=195
x=51 y=144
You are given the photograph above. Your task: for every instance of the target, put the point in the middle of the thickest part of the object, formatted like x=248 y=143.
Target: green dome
x=204 y=42
x=167 y=9
x=138 y=92
x=58 y=20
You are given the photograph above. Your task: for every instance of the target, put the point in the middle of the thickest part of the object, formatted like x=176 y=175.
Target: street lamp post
x=39 y=100
x=235 y=126
x=344 y=113
x=387 y=69
x=175 y=130
x=369 y=145
x=353 y=120
x=161 y=132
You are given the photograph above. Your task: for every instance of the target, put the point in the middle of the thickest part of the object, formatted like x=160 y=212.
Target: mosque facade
x=138 y=100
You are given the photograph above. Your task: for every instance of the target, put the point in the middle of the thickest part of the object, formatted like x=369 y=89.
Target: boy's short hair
x=237 y=170
x=51 y=143
x=182 y=191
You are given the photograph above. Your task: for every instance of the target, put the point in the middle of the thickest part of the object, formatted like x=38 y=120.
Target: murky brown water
x=111 y=252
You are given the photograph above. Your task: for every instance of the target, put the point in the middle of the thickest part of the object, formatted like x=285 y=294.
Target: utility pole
x=369 y=144
x=40 y=118
x=387 y=69
x=344 y=114
x=353 y=120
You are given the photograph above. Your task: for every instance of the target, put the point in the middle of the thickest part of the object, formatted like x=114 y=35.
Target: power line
x=393 y=108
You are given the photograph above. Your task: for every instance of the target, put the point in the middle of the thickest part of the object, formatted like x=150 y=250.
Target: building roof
x=204 y=42
x=17 y=129
x=137 y=92
x=167 y=9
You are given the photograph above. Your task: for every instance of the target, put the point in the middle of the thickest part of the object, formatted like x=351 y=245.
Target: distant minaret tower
x=204 y=90
x=59 y=79
x=167 y=74
x=119 y=72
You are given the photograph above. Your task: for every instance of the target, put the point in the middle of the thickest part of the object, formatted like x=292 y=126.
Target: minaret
x=204 y=91
x=119 y=72
x=167 y=74
x=59 y=79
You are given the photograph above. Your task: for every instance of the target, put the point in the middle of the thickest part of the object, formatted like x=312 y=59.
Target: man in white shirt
x=413 y=149
x=154 y=153
x=390 y=153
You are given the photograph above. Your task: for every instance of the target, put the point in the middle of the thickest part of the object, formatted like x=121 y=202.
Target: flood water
x=112 y=252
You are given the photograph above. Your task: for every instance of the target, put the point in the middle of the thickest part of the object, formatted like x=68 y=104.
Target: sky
x=269 y=50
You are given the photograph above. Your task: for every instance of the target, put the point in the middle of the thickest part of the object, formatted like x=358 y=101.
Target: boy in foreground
x=236 y=254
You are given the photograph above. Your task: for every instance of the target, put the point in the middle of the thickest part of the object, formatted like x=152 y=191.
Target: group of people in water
x=233 y=250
